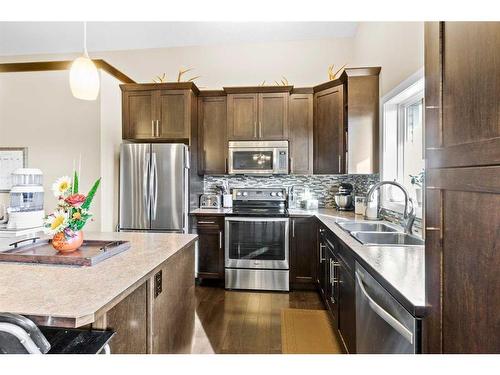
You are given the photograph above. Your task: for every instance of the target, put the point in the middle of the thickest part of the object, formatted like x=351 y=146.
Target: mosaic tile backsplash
x=322 y=187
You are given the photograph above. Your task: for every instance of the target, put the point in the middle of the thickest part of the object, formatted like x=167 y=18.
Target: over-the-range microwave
x=258 y=157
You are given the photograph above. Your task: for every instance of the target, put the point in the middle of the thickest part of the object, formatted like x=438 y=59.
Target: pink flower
x=75 y=200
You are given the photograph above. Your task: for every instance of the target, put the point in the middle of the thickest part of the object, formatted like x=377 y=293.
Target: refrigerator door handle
x=186 y=158
x=146 y=196
x=154 y=185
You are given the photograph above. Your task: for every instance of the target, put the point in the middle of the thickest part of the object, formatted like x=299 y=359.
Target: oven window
x=253 y=160
x=257 y=240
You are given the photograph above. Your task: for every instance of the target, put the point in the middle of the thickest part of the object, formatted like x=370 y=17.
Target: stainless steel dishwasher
x=383 y=325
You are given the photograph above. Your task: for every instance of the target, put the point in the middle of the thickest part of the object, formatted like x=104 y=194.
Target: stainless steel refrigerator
x=154 y=187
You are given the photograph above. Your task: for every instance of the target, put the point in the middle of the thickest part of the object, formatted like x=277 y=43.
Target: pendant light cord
x=85 y=52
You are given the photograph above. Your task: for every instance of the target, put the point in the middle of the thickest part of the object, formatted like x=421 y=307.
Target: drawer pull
x=206 y=222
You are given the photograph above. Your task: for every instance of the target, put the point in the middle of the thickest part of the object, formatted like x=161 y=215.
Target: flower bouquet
x=66 y=222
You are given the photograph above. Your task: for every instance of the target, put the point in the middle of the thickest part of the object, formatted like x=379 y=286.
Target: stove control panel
x=265 y=194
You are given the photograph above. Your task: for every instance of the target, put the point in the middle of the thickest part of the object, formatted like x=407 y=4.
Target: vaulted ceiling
x=23 y=38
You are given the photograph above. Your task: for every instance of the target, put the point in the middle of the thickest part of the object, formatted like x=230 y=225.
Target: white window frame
x=407 y=92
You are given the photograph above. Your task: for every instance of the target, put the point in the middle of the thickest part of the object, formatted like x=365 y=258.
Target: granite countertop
x=77 y=295
x=400 y=269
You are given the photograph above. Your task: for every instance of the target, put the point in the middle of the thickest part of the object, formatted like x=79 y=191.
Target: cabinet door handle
x=157 y=128
x=260 y=129
x=340 y=162
x=206 y=222
x=153 y=133
x=255 y=129
x=220 y=239
x=291 y=165
x=321 y=256
x=293 y=228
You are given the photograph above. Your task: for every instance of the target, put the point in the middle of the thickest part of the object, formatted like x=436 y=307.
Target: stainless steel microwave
x=258 y=157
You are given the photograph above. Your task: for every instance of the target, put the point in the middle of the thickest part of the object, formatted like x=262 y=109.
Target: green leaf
x=91 y=194
x=75 y=183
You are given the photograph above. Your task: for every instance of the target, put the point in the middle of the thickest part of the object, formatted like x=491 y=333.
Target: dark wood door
x=329 y=131
x=212 y=121
x=138 y=111
x=242 y=116
x=303 y=252
x=347 y=307
x=173 y=114
x=273 y=116
x=300 y=133
x=462 y=205
x=210 y=253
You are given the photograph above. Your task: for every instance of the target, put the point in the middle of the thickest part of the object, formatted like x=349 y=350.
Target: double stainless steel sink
x=379 y=234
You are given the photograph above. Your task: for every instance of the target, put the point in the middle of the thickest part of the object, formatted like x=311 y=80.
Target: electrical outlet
x=158 y=282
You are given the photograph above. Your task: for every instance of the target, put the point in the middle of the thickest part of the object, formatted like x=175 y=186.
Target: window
x=402 y=140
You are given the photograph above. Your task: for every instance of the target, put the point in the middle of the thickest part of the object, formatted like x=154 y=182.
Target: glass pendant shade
x=84 y=79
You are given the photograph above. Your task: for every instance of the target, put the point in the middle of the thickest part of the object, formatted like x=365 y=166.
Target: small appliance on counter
x=227 y=197
x=210 y=201
x=301 y=197
x=343 y=198
x=359 y=205
x=26 y=200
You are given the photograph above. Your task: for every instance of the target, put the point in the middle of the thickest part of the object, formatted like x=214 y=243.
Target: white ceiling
x=21 y=38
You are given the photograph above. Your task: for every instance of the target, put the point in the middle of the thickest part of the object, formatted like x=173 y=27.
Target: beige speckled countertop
x=78 y=294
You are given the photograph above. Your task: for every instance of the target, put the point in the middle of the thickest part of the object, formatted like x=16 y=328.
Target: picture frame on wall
x=11 y=158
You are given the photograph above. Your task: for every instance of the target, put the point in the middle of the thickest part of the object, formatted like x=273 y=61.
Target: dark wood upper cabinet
x=261 y=114
x=174 y=112
x=139 y=115
x=212 y=120
x=303 y=256
x=273 y=116
x=242 y=116
x=159 y=112
x=462 y=205
x=300 y=122
x=329 y=131
x=346 y=123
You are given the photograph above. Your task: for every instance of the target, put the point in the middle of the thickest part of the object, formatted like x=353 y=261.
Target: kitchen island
x=145 y=294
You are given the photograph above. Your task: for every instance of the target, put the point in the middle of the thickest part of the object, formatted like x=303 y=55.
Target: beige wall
x=111 y=138
x=398 y=47
x=38 y=111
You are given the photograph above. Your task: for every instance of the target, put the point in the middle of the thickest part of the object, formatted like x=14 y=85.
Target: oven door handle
x=266 y=219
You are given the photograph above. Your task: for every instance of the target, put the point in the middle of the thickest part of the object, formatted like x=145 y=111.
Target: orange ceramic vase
x=67 y=245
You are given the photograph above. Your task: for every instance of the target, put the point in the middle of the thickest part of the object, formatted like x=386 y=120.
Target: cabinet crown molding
x=160 y=86
x=256 y=89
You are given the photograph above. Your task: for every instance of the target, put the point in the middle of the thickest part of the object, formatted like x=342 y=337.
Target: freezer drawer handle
x=389 y=319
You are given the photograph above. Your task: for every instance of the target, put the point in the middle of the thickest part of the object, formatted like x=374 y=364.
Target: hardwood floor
x=244 y=322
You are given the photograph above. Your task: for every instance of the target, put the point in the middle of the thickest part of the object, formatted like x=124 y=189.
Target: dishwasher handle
x=388 y=318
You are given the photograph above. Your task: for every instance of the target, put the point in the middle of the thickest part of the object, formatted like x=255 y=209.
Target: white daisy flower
x=61 y=186
x=56 y=222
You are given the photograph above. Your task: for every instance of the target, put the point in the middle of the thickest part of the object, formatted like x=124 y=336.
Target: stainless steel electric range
x=257 y=241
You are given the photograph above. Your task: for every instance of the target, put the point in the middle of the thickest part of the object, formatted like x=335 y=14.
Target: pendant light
x=83 y=76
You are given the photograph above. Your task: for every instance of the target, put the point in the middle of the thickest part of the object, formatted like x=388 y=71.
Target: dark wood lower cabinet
x=347 y=302
x=158 y=315
x=337 y=287
x=303 y=253
x=210 y=247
